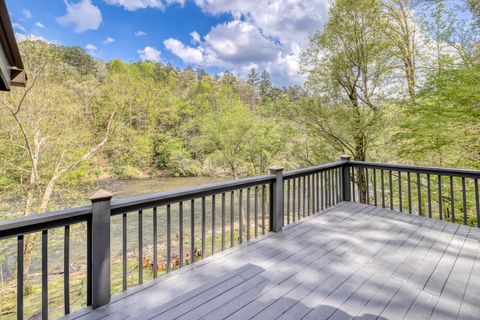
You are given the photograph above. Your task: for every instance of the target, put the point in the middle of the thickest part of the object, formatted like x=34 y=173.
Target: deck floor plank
x=350 y=261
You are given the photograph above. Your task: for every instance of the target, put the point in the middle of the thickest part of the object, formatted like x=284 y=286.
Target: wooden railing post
x=346 y=179
x=100 y=252
x=276 y=200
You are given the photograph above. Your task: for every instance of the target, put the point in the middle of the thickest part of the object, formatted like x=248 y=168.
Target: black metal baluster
x=204 y=228
x=327 y=188
x=66 y=270
x=169 y=239
x=256 y=211
x=429 y=196
x=375 y=200
x=390 y=185
x=464 y=198
x=337 y=185
x=452 y=199
x=440 y=209
x=330 y=188
x=248 y=214
x=367 y=187
x=312 y=177
x=419 y=195
x=299 y=206
x=288 y=201
x=382 y=176
x=192 y=231
x=223 y=221
x=360 y=185
x=308 y=194
x=232 y=219
x=303 y=195
x=409 y=190
x=294 y=218
x=89 y=262
x=322 y=188
x=155 y=245
x=180 y=226
x=340 y=185
x=400 y=199
x=140 y=247
x=477 y=201
x=240 y=216
x=45 y=274
x=20 y=286
x=214 y=233
x=263 y=208
x=318 y=191
x=353 y=184
x=124 y=251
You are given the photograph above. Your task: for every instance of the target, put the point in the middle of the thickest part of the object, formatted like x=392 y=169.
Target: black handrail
x=419 y=169
x=245 y=208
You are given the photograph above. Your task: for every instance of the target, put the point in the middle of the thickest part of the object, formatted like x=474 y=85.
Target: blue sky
x=216 y=35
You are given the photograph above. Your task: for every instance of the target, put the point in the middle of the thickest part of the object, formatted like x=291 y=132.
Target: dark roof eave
x=18 y=77
x=7 y=39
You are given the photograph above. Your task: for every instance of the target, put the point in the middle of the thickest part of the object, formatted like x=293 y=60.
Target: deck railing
x=442 y=193
x=180 y=227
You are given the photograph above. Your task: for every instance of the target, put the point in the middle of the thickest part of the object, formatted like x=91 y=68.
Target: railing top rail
x=61 y=218
x=419 y=169
x=125 y=205
x=304 y=171
x=37 y=222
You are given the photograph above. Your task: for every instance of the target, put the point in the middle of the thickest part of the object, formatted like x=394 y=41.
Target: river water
x=120 y=189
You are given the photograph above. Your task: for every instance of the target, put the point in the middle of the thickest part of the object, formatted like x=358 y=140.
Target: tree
x=79 y=59
x=443 y=125
x=348 y=68
x=266 y=144
x=225 y=132
x=402 y=29
x=52 y=133
x=265 y=85
x=439 y=28
x=253 y=77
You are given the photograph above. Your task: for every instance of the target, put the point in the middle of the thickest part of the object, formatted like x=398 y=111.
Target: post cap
x=345 y=157
x=101 y=195
x=276 y=168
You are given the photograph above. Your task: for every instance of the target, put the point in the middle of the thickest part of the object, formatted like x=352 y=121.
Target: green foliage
x=443 y=124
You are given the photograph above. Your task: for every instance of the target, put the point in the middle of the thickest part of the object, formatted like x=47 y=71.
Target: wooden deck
x=352 y=261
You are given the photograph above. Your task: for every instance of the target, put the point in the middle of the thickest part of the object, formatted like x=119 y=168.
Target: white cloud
x=91 y=49
x=231 y=44
x=187 y=54
x=132 y=5
x=267 y=34
x=108 y=40
x=19 y=27
x=23 y=36
x=149 y=54
x=27 y=14
x=40 y=25
x=195 y=37
x=140 y=33
x=83 y=15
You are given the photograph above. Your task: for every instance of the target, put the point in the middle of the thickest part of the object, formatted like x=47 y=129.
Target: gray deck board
x=351 y=261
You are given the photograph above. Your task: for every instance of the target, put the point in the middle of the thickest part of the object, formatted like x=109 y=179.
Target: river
x=121 y=189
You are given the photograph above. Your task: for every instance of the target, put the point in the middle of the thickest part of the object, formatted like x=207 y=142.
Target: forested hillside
x=391 y=80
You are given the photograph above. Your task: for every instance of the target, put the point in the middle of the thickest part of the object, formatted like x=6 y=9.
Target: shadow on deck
x=350 y=261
